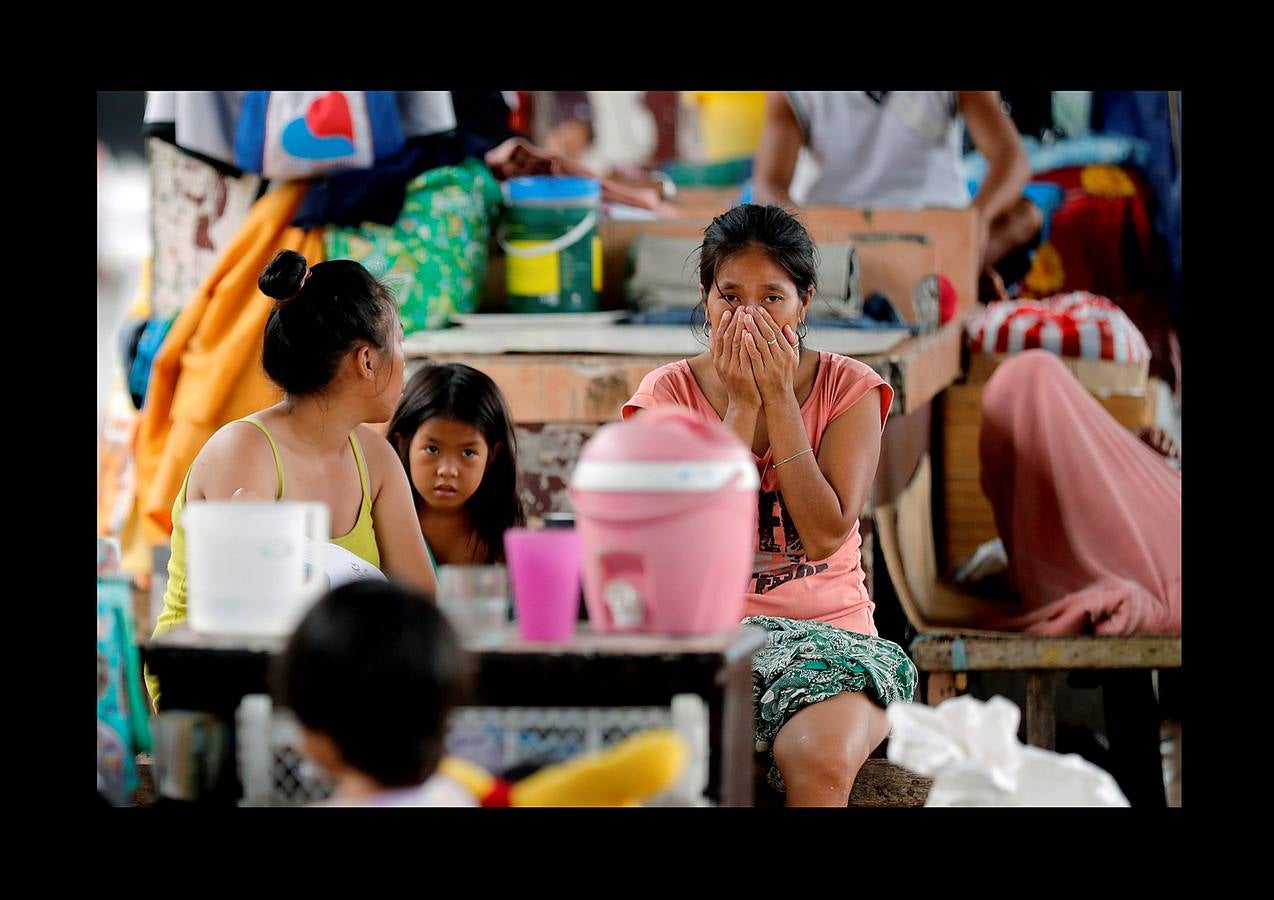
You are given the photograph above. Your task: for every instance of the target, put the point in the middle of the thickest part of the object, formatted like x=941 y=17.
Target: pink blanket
x=1090 y=515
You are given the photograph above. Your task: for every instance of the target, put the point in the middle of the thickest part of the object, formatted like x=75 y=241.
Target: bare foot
x=1161 y=442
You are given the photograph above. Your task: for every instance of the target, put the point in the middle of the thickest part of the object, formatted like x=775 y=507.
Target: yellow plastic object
x=632 y=771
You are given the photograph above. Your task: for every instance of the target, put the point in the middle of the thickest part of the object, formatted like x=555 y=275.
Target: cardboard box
x=897 y=248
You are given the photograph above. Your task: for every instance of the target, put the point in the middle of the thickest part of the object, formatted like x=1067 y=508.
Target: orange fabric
x=208 y=371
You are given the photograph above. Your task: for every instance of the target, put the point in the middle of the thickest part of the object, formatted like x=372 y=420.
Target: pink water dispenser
x=666 y=506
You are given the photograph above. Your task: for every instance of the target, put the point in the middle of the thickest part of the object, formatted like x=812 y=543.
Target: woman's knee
x=805 y=759
x=832 y=745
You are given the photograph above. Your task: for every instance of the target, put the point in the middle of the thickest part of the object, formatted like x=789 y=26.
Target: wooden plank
x=974 y=533
x=961 y=423
x=589 y=387
x=951 y=232
x=961 y=464
x=736 y=745
x=962 y=408
x=733 y=645
x=562 y=389
x=1100 y=377
x=960 y=550
x=932 y=653
x=961 y=455
x=968 y=490
x=962 y=436
x=942 y=686
x=1132 y=412
x=965 y=492
x=963 y=398
x=970 y=519
x=971 y=533
x=670 y=341
x=922 y=367
x=974 y=518
x=1041 y=709
x=961 y=468
x=881 y=783
x=957 y=554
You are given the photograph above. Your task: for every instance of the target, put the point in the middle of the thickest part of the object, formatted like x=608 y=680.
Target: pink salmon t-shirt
x=785 y=582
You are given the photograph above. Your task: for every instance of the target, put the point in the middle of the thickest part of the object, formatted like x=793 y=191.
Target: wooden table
x=580 y=374
x=213 y=674
x=948 y=657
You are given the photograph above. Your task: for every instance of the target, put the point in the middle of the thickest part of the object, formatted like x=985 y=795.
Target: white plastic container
x=248 y=568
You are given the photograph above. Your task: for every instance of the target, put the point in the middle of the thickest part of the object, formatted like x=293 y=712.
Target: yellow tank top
x=359 y=540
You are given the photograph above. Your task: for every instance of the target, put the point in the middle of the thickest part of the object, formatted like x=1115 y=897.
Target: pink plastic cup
x=544 y=572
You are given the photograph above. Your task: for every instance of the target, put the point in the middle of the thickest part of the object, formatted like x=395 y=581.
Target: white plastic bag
x=971 y=751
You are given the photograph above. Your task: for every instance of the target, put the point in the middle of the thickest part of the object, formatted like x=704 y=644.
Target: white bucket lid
x=691 y=476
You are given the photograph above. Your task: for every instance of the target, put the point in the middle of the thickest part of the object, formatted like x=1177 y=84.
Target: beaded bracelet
x=794 y=455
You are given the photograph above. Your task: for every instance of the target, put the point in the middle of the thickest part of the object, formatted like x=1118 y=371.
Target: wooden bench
x=947 y=658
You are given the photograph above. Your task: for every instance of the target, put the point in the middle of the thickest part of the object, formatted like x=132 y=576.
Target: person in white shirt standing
x=898 y=150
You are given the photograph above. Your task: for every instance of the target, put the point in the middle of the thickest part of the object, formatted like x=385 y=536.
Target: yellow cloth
x=359 y=540
x=730 y=122
x=208 y=371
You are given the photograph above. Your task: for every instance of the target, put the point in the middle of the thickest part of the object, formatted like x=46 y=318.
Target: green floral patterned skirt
x=805 y=662
x=435 y=256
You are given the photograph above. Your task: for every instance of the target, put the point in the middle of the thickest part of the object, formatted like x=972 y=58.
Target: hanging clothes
x=208 y=371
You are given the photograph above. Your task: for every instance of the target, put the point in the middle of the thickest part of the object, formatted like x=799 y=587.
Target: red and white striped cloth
x=1078 y=324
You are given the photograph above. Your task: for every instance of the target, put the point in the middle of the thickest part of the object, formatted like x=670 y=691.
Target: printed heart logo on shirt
x=326 y=131
x=328 y=116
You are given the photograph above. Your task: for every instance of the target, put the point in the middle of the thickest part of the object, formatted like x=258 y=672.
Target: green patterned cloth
x=435 y=256
x=805 y=662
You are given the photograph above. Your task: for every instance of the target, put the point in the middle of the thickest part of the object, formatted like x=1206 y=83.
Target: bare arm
x=1008 y=168
x=776 y=154
x=398 y=536
x=824 y=496
x=518 y=156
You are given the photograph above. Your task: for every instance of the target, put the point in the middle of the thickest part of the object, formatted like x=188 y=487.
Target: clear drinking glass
x=475 y=600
